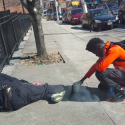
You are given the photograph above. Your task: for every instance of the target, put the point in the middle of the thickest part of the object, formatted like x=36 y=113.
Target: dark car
x=99 y=18
x=121 y=12
x=112 y=7
x=64 y=18
x=54 y=16
x=74 y=15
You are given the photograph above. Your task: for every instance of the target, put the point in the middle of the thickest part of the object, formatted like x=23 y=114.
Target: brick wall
x=12 y=5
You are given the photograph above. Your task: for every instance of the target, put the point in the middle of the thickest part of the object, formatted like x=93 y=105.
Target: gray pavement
x=89 y=107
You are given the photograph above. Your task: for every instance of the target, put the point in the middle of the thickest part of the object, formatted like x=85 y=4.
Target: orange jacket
x=111 y=54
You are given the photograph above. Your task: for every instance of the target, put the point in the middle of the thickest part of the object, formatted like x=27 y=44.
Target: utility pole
x=4 y=5
x=56 y=4
x=84 y=6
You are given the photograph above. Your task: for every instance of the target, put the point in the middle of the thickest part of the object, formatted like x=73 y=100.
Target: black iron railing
x=13 y=28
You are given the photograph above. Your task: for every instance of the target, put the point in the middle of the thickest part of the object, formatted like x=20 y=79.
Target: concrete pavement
x=90 y=108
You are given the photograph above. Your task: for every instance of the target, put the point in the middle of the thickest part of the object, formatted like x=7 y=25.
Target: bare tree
x=34 y=9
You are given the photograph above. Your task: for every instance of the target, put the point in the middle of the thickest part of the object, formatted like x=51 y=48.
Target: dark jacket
x=8 y=81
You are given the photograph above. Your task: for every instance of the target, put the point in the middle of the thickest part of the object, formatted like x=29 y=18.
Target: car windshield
x=58 y=14
x=111 y=6
x=99 y=12
x=77 y=11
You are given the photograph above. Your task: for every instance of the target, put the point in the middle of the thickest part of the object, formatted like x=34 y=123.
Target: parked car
x=64 y=18
x=48 y=16
x=112 y=7
x=121 y=12
x=54 y=16
x=44 y=14
x=99 y=18
x=74 y=15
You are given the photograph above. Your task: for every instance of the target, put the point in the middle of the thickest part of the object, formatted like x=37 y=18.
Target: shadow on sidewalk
x=85 y=94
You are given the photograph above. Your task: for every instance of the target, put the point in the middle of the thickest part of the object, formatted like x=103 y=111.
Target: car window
x=105 y=6
x=99 y=12
x=100 y=6
x=77 y=11
x=111 y=6
x=122 y=5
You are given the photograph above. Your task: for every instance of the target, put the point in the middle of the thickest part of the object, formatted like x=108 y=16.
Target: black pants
x=111 y=78
x=27 y=93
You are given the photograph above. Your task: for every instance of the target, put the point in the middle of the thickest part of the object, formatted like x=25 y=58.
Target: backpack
x=121 y=44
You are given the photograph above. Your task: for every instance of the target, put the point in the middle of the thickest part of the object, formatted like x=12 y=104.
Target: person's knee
x=100 y=74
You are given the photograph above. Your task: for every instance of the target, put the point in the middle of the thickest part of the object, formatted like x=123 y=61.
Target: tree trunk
x=34 y=9
x=39 y=36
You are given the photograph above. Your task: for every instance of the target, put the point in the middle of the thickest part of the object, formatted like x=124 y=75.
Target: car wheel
x=121 y=19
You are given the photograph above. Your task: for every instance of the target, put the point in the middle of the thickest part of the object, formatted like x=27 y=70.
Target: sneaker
x=119 y=95
x=57 y=97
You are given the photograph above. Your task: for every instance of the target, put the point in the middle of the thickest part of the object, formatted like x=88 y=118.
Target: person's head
x=95 y=45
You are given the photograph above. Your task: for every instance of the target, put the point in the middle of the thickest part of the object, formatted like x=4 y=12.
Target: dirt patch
x=31 y=59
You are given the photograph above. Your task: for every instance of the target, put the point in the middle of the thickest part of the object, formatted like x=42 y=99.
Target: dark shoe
x=58 y=96
x=115 y=99
x=119 y=95
x=102 y=87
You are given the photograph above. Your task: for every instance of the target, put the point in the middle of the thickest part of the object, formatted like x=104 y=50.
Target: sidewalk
x=86 y=110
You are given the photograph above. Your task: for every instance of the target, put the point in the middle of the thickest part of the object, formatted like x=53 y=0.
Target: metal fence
x=13 y=28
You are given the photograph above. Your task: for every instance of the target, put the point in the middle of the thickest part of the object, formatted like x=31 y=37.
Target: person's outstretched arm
x=82 y=80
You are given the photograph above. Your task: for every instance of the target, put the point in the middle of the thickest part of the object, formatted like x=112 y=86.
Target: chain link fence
x=13 y=28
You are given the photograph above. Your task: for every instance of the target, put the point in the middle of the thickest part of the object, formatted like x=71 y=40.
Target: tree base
x=32 y=59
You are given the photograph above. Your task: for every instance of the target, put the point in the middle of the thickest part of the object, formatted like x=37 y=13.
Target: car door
x=123 y=10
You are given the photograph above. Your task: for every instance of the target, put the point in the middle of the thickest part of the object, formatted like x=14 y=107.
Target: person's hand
x=76 y=86
x=36 y=83
x=79 y=83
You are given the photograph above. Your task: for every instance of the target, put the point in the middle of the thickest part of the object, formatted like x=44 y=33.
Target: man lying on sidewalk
x=109 y=77
x=15 y=94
